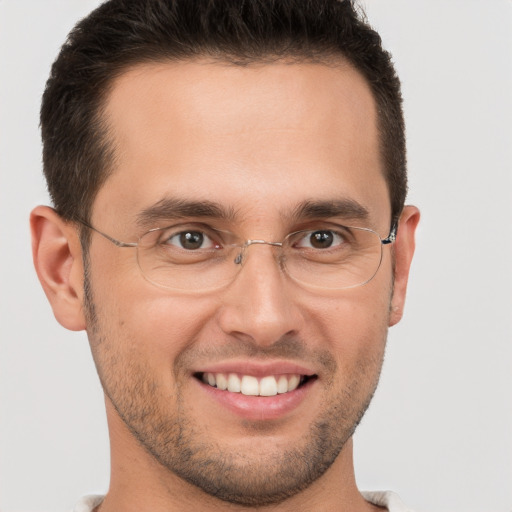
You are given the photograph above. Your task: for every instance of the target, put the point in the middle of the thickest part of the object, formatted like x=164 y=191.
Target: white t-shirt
x=387 y=499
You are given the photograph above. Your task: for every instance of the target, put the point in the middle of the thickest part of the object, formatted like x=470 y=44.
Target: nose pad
x=241 y=255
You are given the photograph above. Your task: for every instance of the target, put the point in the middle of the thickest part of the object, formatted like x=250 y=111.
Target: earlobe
x=58 y=262
x=403 y=253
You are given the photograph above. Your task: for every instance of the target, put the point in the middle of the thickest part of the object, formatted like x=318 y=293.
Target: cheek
x=137 y=342
x=356 y=324
x=161 y=325
x=139 y=321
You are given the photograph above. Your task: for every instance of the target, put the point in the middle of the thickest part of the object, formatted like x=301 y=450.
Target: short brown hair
x=77 y=153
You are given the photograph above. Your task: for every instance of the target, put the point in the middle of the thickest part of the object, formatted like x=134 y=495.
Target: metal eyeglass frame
x=243 y=247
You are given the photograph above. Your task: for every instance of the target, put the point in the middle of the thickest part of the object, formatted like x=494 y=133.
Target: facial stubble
x=182 y=445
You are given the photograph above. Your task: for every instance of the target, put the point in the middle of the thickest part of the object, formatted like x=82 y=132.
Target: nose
x=260 y=306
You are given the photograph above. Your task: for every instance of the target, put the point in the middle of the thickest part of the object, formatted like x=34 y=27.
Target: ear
x=403 y=253
x=57 y=258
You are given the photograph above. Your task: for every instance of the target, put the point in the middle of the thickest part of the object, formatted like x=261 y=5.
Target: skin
x=258 y=140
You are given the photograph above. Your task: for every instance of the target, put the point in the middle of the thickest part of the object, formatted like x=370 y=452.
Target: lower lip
x=260 y=407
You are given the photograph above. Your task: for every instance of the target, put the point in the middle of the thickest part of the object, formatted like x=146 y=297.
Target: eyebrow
x=175 y=209
x=169 y=209
x=345 y=208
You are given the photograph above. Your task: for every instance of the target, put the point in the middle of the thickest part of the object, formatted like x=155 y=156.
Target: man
x=229 y=227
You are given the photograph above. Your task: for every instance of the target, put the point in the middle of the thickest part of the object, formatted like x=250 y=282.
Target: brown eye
x=191 y=240
x=321 y=239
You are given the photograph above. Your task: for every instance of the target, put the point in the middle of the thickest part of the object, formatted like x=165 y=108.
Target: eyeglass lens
x=194 y=260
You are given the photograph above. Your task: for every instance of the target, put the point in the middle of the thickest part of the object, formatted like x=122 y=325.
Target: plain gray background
x=439 y=431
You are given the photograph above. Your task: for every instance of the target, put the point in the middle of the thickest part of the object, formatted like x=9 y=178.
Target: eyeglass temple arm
x=392 y=234
x=116 y=242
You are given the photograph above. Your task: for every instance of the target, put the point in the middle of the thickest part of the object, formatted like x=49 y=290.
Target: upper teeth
x=270 y=385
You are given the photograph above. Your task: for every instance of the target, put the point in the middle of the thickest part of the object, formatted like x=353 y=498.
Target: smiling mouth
x=270 y=385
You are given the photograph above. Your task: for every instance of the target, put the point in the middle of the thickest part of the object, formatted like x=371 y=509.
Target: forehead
x=253 y=138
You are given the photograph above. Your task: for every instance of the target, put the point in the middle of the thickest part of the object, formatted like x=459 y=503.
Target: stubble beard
x=182 y=446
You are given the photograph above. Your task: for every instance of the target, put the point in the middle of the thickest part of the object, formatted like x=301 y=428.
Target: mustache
x=287 y=347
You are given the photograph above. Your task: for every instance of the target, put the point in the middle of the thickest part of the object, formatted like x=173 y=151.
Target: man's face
x=258 y=142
